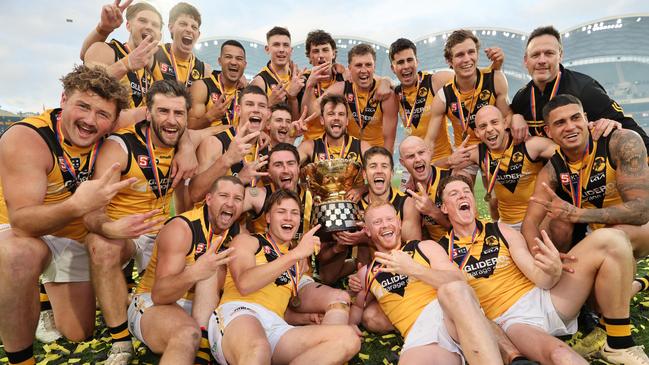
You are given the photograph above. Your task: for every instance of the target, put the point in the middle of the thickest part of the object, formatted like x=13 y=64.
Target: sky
x=38 y=44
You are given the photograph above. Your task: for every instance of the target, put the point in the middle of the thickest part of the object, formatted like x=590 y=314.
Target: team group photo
x=476 y=196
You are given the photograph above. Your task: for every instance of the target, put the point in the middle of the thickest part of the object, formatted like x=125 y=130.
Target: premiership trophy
x=329 y=180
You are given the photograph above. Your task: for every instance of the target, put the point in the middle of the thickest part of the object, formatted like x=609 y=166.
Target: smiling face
x=491 y=128
x=253 y=110
x=361 y=68
x=279 y=50
x=334 y=119
x=144 y=23
x=464 y=58
x=233 y=63
x=184 y=33
x=542 y=58
x=284 y=170
x=404 y=65
x=283 y=219
x=568 y=127
x=86 y=117
x=458 y=203
x=378 y=173
x=225 y=204
x=279 y=127
x=415 y=156
x=168 y=116
x=383 y=227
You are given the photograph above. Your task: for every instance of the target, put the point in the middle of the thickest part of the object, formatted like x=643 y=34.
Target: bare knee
x=23 y=258
x=350 y=343
x=562 y=354
x=104 y=252
x=454 y=294
x=374 y=320
x=258 y=348
x=187 y=335
x=613 y=243
x=75 y=333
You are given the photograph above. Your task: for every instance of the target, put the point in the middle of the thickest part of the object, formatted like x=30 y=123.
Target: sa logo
x=423 y=91
x=565 y=178
x=200 y=248
x=599 y=164
x=350 y=98
x=143 y=160
x=164 y=67
x=485 y=95
x=195 y=74
x=491 y=241
x=215 y=97
x=517 y=157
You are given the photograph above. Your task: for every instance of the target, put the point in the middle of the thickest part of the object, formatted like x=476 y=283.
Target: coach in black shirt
x=543 y=56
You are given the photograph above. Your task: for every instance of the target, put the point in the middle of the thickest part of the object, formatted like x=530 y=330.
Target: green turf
x=375 y=349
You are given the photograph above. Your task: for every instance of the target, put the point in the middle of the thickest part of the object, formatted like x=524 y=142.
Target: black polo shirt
x=597 y=104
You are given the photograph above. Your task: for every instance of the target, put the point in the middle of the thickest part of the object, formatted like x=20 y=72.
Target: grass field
x=375 y=349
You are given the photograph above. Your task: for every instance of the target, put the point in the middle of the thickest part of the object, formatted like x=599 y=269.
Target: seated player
x=262 y=277
x=180 y=287
x=424 y=296
x=530 y=294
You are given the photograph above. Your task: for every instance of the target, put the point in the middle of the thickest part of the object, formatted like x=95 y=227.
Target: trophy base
x=335 y=216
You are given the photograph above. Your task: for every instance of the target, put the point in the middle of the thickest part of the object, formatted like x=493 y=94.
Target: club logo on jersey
x=372 y=103
x=215 y=97
x=565 y=178
x=164 y=67
x=143 y=161
x=423 y=91
x=266 y=250
x=350 y=98
x=599 y=164
x=454 y=107
x=195 y=74
x=491 y=241
x=200 y=248
x=517 y=157
x=485 y=95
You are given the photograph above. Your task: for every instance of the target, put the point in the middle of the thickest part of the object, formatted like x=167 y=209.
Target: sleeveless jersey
x=258 y=220
x=167 y=67
x=275 y=295
x=143 y=196
x=515 y=179
x=469 y=104
x=225 y=137
x=314 y=127
x=396 y=197
x=598 y=177
x=400 y=297
x=432 y=229
x=365 y=115
x=489 y=268
x=198 y=221
x=215 y=89
x=137 y=81
x=352 y=150
x=61 y=183
x=415 y=106
x=271 y=78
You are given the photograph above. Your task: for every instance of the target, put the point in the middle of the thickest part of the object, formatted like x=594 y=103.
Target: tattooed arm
x=536 y=211
x=630 y=155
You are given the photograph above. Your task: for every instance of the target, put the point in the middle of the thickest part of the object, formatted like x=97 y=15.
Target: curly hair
x=96 y=80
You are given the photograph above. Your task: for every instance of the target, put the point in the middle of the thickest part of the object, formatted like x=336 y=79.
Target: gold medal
x=295 y=301
x=253 y=191
x=487 y=197
x=409 y=130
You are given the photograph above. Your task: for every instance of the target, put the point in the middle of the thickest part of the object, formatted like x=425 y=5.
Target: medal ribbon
x=66 y=159
x=295 y=278
x=465 y=259
x=575 y=189
x=154 y=166
x=275 y=75
x=370 y=277
x=555 y=89
x=230 y=113
x=359 y=117
x=192 y=61
x=343 y=149
x=474 y=99
x=409 y=114
x=209 y=240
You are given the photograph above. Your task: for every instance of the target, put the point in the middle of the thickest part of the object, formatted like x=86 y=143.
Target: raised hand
x=111 y=16
x=496 y=56
x=95 y=194
x=277 y=94
x=547 y=257
x=423 y=202
x=209 y=262
x=397 y=262
x=462 y=155
x=603 y=127
x=556 y=207
x=142 y=55
x=240 y=146
x=519 y=129
x=300 y=125
x=318 y=74
x=219 y=107
x=134 y=225
x=297 y=82
x=307 y=244
x=183 y=165
x=252 y=170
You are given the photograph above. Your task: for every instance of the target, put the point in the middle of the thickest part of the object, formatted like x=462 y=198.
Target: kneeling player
x=180 y=288
x=261 y=279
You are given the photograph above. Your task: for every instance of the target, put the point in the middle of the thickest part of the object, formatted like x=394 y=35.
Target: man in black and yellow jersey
x=424 y=296
x=536 y=294
x=232 y=144
x=415 y=157
x=131 y=62
x=180 y=288
x=280 y=78
x=590 y=183
x=264 y=275
x=214 y=98
x=335 y=142
x=372 y=119
x=542 y=58
x=470 y=89
x=280 y=127
x=176 y=60
x=44 y=164
x=126 y=228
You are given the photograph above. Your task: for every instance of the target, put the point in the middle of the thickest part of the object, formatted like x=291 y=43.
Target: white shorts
x=535 y=308
x=143 y=251
x=516 y=226
x=304 y=281
x=429 y=328
x=69 y=262
x=137 y=307
x=274 y=325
